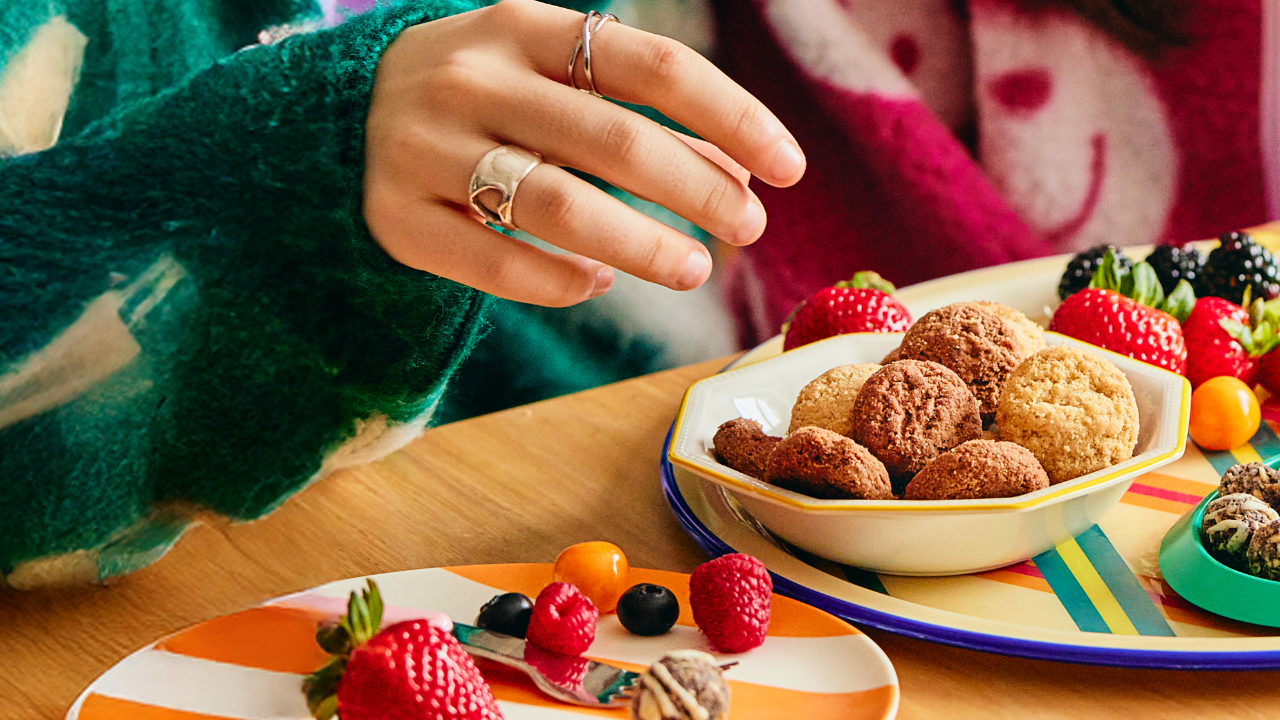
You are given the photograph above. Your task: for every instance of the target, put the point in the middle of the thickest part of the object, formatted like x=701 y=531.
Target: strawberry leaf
x=334 y=639
x=1109 y=275
x=868 y=279
x=1144 y=286
x=1180 y=302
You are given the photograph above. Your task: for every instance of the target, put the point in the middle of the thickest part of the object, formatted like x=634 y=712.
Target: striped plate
x=249 y=665
x=1099 y=598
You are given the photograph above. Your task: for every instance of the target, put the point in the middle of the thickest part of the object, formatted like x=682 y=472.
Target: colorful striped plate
x=1099 y=598
x=250 y=665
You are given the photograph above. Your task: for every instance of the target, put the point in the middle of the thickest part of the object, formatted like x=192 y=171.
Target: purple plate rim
x=999 y=644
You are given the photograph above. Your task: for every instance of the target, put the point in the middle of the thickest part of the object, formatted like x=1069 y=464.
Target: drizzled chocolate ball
x=1263 y=556
x=1229 y=524
x=682 y=685
x=1253 y=479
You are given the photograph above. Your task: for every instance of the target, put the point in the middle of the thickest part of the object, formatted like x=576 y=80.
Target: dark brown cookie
x=912 y=411
x=742 y=445
x=979 y=469
x=823 y=464
x=974 y=342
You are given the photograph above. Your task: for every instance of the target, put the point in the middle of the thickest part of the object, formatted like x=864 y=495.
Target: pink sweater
x=941 y=140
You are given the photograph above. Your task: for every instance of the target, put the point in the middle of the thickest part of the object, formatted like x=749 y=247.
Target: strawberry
x=412 y=670
x=863 y=304
x=563 y=619
x=1269 y=374
x=1127 y=312
x=1225 y=339
x=730 y=597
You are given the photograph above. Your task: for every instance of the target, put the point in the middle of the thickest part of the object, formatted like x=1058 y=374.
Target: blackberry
x=1237 y=263
x=1173 y=264
x=1081 y=268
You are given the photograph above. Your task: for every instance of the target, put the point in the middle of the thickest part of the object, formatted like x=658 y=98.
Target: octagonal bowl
x=915 y=537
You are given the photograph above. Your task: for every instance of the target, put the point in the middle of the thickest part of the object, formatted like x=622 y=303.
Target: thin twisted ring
x=584 y=47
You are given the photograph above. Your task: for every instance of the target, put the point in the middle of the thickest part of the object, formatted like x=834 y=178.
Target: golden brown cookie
x=977 y=344
x=819 y=463
x=1073 y=409
x=742 y=445
x=1030 y=335
x=827 y=401
x=910 y=412
x=979 y=469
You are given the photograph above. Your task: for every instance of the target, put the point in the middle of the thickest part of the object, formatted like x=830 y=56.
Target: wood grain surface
x=519 y=486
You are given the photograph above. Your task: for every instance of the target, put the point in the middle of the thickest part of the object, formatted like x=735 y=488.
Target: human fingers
x=622 y=147
x=441 y=239
x=570 y=213
x=715 y=155
x=639 y=67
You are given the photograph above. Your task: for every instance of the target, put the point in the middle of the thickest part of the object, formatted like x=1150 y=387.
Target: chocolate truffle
x=1263 y=555
x=979 y=469
x=1254 y=479
x=682 y=685
x=1229 y=523
x=910 y=412
x=974 y=342
x=827 y=401
x=1073 y=409
x=742 y=445
x=819 y=463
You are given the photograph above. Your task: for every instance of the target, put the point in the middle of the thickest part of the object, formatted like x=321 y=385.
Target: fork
x=556 y=674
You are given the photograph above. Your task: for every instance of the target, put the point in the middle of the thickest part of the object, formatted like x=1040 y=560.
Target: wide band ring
x=501 y=169
x=591 y=24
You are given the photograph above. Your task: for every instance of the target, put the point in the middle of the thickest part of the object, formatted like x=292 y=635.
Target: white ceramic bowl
x=916 y=537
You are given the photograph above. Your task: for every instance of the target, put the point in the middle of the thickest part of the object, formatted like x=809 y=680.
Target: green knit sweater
x=193 y=316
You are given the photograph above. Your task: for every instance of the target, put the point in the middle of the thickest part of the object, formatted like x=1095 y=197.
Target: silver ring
x=584 y=46
x=501 y=169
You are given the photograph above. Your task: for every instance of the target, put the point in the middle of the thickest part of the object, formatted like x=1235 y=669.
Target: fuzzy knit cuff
x=196 y=317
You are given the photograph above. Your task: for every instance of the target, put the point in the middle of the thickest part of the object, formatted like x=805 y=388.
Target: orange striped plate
x=249 y=665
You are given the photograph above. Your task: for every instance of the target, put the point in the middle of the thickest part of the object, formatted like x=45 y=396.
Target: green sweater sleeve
x=195 y=317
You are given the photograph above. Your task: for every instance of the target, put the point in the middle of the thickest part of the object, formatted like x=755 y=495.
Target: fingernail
x=787 y=161
x=752 y=225
x=604 y=281
x=695 y=271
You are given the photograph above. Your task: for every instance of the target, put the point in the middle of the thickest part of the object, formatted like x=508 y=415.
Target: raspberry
x=730 y=597
x=563 y=620
x=567 y=671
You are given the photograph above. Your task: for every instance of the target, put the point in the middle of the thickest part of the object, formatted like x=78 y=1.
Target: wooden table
x=519 y=486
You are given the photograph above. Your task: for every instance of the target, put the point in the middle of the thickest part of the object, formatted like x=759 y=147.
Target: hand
x=447 y=92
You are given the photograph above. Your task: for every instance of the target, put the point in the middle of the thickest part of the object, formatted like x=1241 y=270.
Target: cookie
x=743 y=445
x=827 y=401
x=910 y=412
x=979 y=469
x=819 y=463
x=974 y=342
x=1073 y=409
x=1030 y=335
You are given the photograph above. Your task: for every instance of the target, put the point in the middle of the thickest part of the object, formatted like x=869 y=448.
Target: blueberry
x=648 y=609
x=508 y=613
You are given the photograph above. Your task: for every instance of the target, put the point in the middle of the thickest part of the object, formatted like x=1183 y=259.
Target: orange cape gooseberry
x=1224 y=413
x=598 y=569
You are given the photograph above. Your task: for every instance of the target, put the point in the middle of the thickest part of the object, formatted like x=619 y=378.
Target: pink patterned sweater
x=944 y=137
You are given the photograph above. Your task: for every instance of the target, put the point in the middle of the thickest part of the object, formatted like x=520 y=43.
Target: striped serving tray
x=1097 y=598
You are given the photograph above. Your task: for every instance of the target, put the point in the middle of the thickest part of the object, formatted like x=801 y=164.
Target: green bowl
x=1203 y=581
